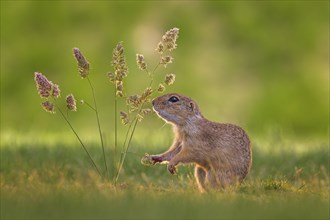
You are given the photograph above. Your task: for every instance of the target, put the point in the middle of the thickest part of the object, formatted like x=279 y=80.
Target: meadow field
x=263 y=65
x=49 y=179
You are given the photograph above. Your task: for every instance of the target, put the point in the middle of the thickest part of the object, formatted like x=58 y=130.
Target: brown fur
x=222 y=152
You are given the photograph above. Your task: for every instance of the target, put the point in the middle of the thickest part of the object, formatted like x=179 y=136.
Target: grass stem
x=82 y=144
x=99 y=127
x=123 y=153
x=116 y=128
x=89 y=105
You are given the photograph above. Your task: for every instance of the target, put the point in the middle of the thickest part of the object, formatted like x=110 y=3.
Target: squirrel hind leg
x=216 y=179
x=200 y=175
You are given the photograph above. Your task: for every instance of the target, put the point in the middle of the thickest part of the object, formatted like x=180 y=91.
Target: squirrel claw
x=171 y=168
x=147 y=160
x=150 y=160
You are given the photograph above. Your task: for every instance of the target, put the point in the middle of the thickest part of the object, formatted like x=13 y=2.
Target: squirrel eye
x=173 y=99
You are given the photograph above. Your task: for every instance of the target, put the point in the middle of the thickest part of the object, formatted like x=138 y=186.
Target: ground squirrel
x=222 y=152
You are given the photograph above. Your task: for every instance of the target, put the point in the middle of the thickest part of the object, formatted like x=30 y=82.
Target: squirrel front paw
x=171 y=168
x=151 y=159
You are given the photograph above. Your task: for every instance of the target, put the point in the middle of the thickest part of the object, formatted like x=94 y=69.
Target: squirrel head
x=176 y=109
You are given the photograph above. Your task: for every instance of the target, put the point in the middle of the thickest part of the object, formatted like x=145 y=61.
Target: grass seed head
x=160 y=48
x=170 y=37
x=166 y=60
x=161 y=88
x=145 y=97
x=71 y=102
x=119 y=85
x=83 y=65
x=48 y=106
x=55 y=91
x=124 y=118
x=112 y=77
x=146 y=111
x=119 y=62
x=139 y=117
x=120 y=93
x=141 y=62
x=134 y=101
x=119 y=88
x=169 y=79
x=44 y=86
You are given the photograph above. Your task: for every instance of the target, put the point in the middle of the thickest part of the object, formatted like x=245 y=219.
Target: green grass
x=43 y=179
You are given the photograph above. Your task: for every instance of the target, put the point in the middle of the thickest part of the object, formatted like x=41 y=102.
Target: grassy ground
x=54 y=179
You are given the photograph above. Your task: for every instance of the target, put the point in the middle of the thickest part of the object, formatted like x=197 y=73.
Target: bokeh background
x=261 y=64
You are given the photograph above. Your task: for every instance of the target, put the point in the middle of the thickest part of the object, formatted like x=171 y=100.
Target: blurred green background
x=263 y=65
